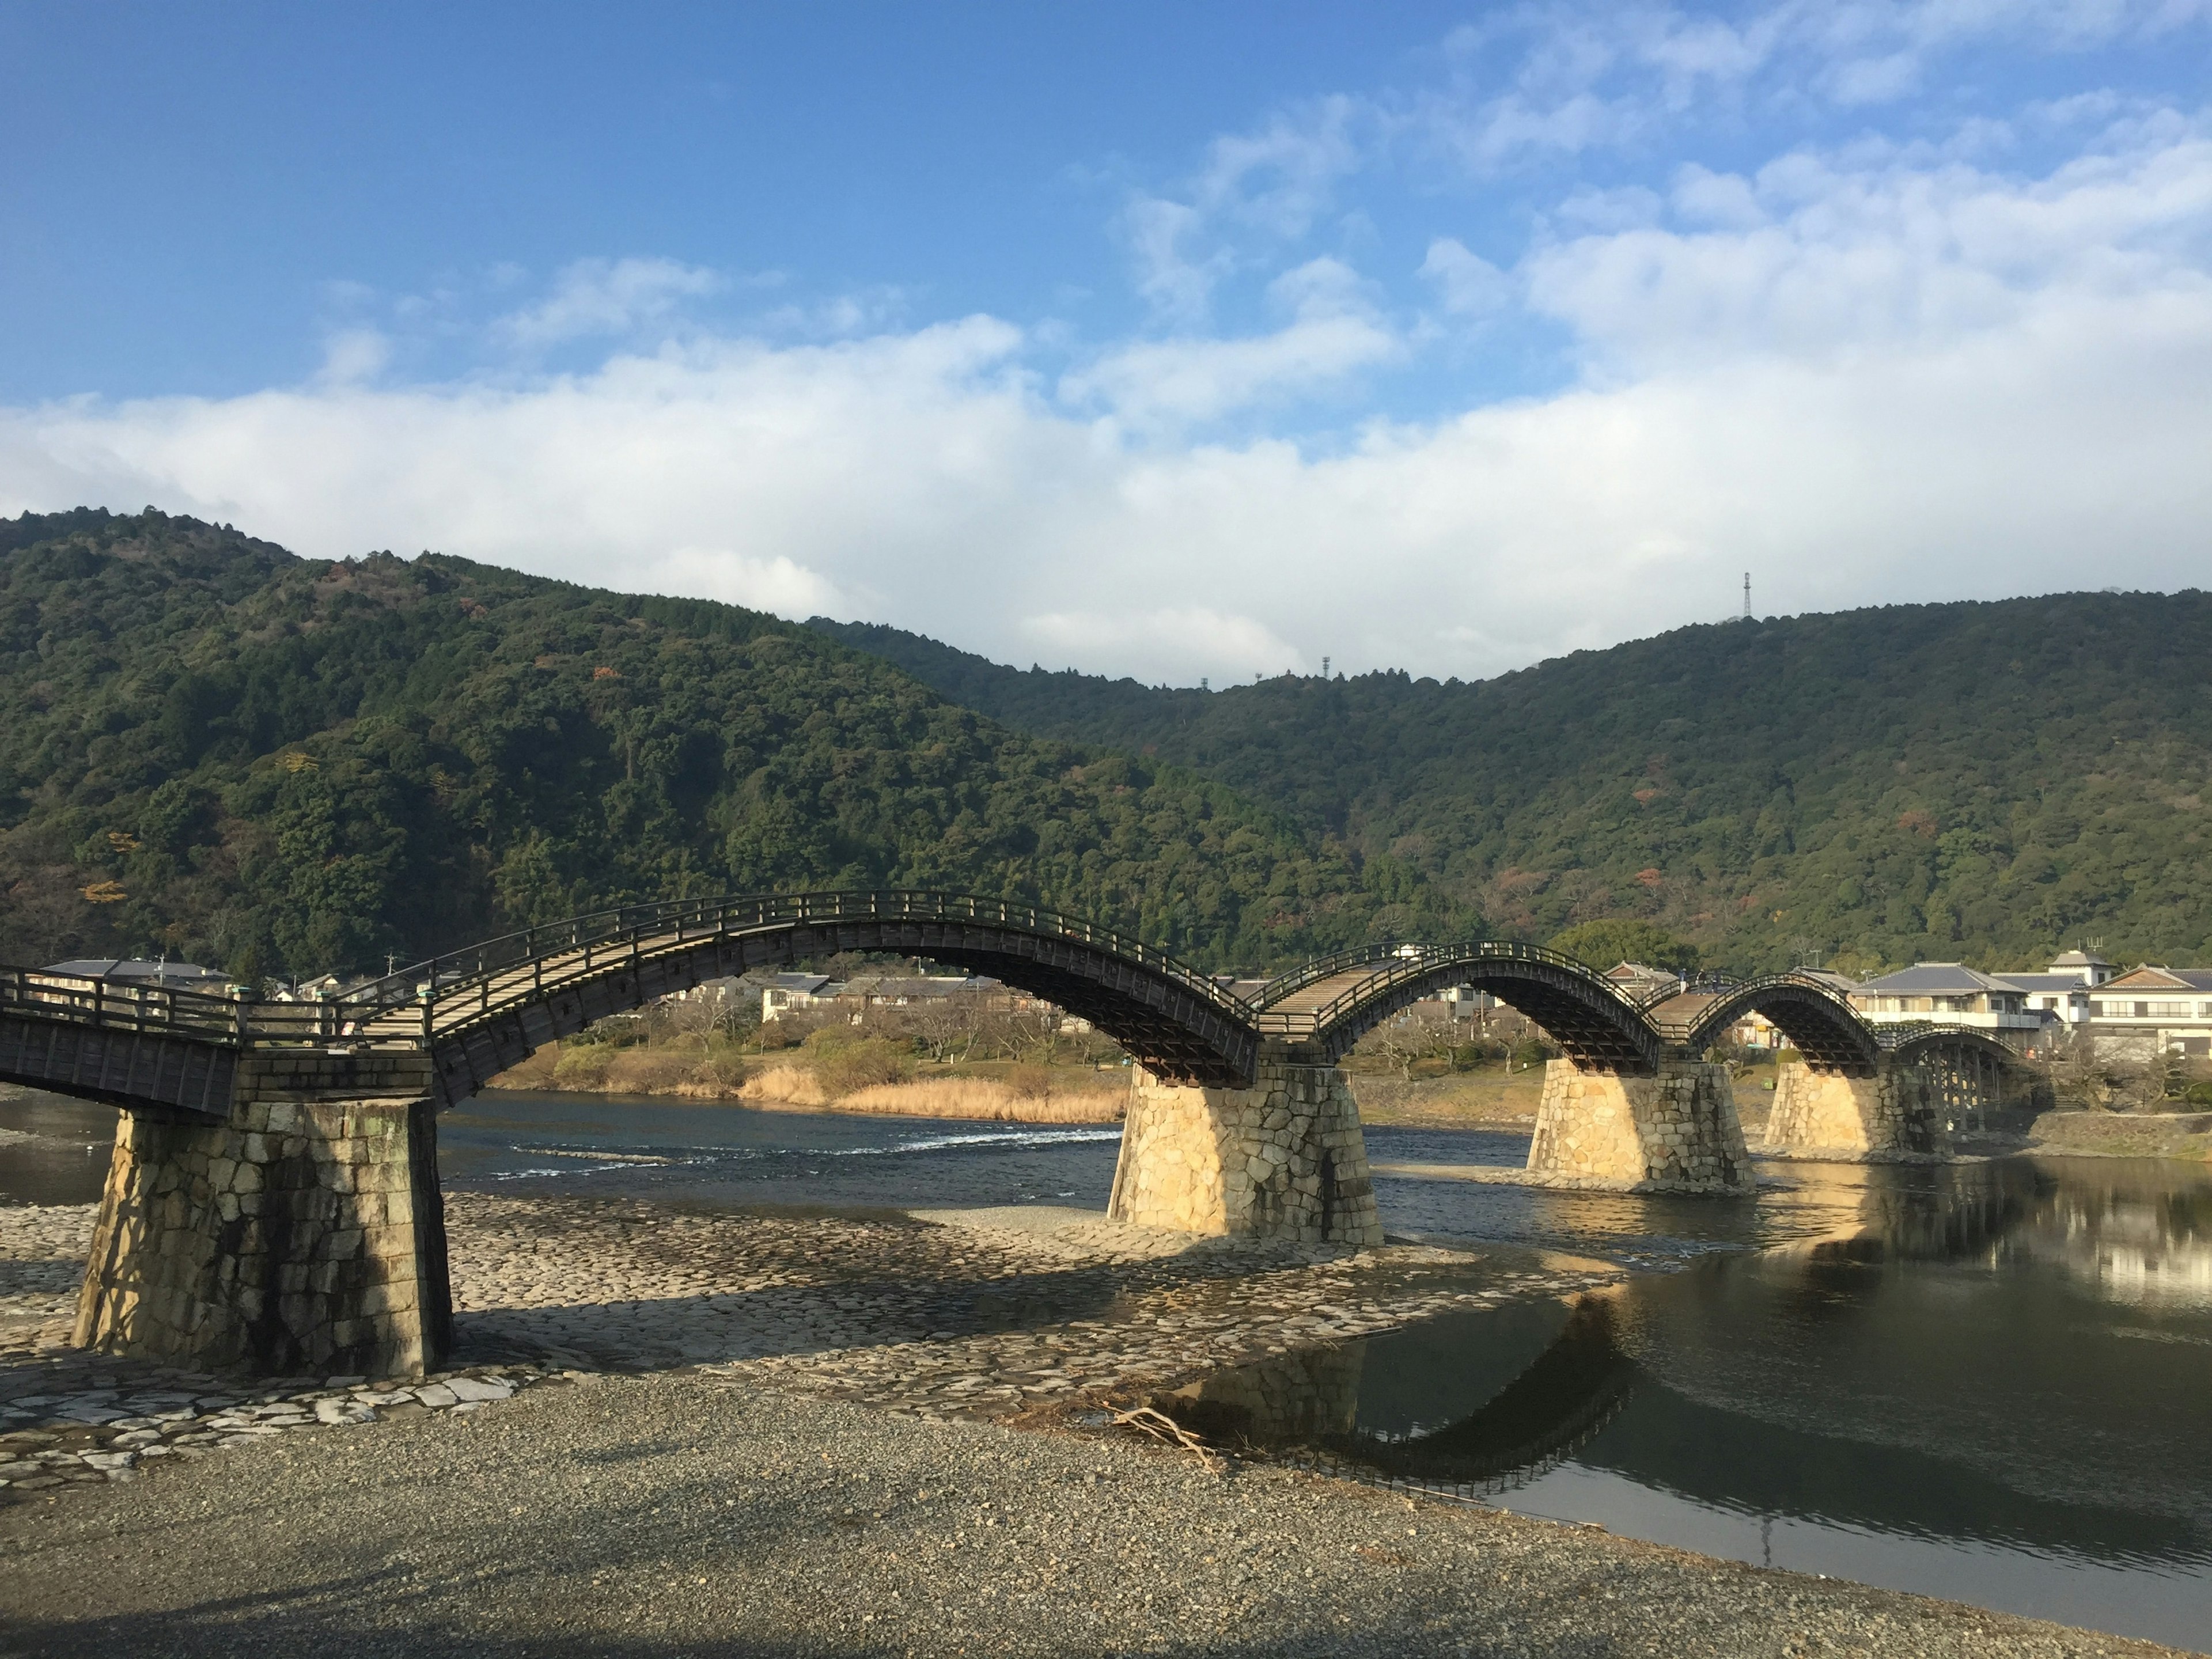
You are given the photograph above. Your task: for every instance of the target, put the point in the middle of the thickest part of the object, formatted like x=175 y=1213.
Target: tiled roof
x=808 y=982
x=913 y=986
x=2147 y=978
x=2040 y=984
x=162 y=972
x=1935 y=979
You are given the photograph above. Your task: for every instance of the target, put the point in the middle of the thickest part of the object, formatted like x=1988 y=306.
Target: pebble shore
x=938 y=1314
x=688 y=1430
x=686 y=1514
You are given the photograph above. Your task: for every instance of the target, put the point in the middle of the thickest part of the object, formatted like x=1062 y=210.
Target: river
x=1989 y=1382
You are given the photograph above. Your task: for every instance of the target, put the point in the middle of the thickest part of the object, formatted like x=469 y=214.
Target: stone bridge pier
x=302 y=1232
x=1673 y=1130
x=1283 y=1160
x=1895 y=1113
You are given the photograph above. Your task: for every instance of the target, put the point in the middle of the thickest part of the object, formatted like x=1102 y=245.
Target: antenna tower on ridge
x=1746 y=595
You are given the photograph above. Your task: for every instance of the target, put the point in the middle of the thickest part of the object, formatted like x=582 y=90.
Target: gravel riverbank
x=687 y=1514
x=704 y=1431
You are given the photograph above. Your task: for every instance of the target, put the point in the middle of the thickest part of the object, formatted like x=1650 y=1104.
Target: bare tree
x=1032 y=1033
x=1423 y=1032
x=949 y=1027
x=2112 y=1077
x=707 y=1013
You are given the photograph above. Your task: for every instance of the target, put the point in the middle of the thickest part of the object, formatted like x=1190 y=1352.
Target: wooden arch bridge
x=274 y=1200
x=476 y=1012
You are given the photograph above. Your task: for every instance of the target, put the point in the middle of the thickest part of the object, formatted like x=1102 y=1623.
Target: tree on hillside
x=1618 y=939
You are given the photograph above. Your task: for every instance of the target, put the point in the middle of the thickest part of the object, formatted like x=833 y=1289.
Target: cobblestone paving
x=977 y=1315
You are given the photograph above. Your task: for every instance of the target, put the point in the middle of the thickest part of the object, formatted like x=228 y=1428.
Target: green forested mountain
x=211 y=747
x=1989 y=781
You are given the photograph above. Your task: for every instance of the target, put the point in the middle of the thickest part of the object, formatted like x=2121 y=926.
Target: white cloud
x=1266 y=187
x=1823 y=257
x=1177 y=645
x=918 y=478
x=1887 y=370
x=354 y=355
x=1544 y=81
x=774 y=583
x=607 y=297
x=1334 y=330
x=1467 y=285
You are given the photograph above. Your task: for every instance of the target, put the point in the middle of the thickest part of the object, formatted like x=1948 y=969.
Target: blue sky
x=1162 y=340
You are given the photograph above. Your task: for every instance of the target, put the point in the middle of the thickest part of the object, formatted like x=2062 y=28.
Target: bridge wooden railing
x=408 y=1008
x=1328 y=967
x=1404 y=962
x=590 y=943
x=1718 y=987
x=160 y=1009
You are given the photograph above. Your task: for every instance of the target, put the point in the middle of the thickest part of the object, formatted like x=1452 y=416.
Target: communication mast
x=1746 y=595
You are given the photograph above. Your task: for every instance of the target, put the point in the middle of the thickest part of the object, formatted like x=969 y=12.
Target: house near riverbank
x=2154 y=1010
x=1950 y=993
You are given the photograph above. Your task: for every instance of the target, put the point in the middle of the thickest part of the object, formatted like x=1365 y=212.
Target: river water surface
x=1990 y=1382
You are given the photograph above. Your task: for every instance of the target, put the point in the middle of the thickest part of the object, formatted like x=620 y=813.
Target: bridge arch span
x=492 y=1004
x=1596 y=1026
x=1911 y=1047
x=1820 y=1023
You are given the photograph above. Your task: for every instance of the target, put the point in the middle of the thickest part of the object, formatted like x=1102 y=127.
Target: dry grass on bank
x=1488 y=1098
x=1027 y=1094
x=983 y=1099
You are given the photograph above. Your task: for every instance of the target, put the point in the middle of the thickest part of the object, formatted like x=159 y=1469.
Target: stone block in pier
x=1892 y=1114
x=1673 y=1131
x=1283 y=1160
x=302 y=1233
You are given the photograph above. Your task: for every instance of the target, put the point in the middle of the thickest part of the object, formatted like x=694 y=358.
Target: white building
x=1950 y=993
x=2162 y=1010
x=2063 y=991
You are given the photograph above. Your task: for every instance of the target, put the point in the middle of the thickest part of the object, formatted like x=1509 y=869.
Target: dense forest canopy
x=1984 y=782
x=211 y=747
x=280 y=766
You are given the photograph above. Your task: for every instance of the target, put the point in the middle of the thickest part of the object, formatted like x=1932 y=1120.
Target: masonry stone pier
x=301 y=1232
x=1675 y=1130
x=1282 y=1159
x=1891 y=1115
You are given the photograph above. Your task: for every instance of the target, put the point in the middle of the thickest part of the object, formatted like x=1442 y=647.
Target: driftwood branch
x=1161 y=1426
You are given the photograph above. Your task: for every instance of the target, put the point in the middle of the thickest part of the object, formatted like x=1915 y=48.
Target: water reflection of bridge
x=1308 y=1403
x=1922 y=1368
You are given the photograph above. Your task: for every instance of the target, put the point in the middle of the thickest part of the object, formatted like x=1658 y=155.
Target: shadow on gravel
x=869 y=1310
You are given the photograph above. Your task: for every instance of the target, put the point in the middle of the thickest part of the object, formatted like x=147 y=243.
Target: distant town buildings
x=862 y=994
x=2152 y=1009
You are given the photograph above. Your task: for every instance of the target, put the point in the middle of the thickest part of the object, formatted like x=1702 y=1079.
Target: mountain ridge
x=211 y=747
x=1987 y=779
